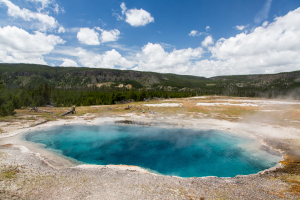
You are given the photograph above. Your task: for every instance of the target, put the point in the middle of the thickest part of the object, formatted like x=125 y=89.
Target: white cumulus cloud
x=109 y=36
x=207 y=41
x=207 y=28
x=154 y=58
x=18 y=46
x=109 y=59
x=46 y=22
x=271 y=48
x=69 y=63
x=88 y=36
x=135 y=17
x=140 y=17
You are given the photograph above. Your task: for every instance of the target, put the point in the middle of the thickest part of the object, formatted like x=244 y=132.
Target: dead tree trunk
x=34 y=109
x=40 y=123
x=45 y=111
x=70 y=111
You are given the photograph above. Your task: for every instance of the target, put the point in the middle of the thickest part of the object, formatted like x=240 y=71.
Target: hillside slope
x=18 y=75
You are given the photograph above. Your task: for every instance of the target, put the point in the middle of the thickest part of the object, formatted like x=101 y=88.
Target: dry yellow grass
x=226 y=112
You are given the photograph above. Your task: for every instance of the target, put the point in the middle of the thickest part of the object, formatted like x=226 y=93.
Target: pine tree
x=1 y=83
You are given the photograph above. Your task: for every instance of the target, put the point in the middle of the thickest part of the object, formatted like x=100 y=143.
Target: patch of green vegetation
x=9 y=172
x=7 y=118
x=211 y=84
x=30 y=118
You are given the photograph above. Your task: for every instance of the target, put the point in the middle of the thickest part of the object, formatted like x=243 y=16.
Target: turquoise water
x=178 y=152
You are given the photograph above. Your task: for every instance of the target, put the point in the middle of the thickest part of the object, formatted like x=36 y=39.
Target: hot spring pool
x=178 y=152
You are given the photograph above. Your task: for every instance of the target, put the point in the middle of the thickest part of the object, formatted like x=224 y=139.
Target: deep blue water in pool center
x=167 y=151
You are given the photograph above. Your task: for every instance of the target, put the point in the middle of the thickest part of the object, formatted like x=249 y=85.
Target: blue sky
x=202 y=38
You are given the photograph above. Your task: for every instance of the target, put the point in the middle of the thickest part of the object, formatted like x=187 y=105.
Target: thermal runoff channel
x=167 y=151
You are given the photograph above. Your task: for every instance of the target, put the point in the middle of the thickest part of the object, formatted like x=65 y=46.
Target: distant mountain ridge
x=18 y=75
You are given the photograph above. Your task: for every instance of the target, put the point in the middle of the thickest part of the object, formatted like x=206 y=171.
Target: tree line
x=42 y=95
x=6 y=108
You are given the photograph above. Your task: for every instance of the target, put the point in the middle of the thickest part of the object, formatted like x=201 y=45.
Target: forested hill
x=16 y=75
x=30 y=75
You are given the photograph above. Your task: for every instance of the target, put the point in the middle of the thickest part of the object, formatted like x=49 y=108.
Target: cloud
x=154 y=58
x=61 y=30
x=46 y=22
x=271 y=48
x=129 y=50
x=123 y=7
x=193 y=33
x=135 y=17
x=241 y=27
x=18 y=46
x=56 y=9
x=44 y=3
x=109 y=36
x=196 y=33
x=207 y=28
x=88 y=36
x=265 y=24
x=109 y=59
x=102 y=22
x=72 y=30
x=68 y=63
x=167 y=46
x=263 y=13
x=140 y=17
x=207 y=41
x=119 y=17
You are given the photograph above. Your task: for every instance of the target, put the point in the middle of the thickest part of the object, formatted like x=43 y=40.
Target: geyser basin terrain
x=179 y=152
